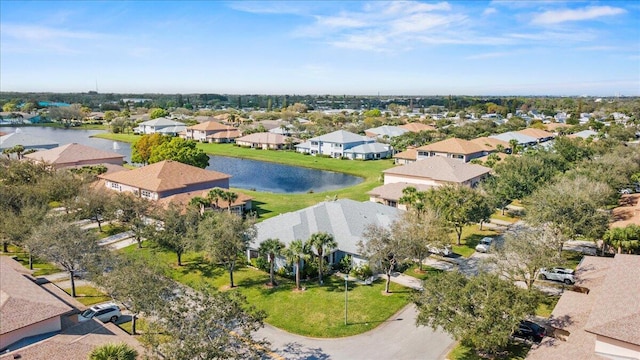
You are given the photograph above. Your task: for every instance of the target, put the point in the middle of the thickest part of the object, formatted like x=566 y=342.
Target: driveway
x=397 y=338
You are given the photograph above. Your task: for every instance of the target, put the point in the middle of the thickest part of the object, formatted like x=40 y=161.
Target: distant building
x=337 y=143
x=27 y=141
x=212 y=131
x=75 y=155
x=160 y=125
x=266 y=141
x=437 y=171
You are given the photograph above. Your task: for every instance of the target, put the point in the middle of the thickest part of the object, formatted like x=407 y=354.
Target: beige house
x=406 y=157
x=540 y=135
x=454 y=148
x=390 y=194
x=602 y=321
x=163 y=179
x=241 y=205
x=211 y=131
x=437 y=171
x=75 y=155
x=417 y=127
x=266 y=141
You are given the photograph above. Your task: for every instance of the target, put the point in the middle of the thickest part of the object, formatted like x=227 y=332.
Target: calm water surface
x=246 y=174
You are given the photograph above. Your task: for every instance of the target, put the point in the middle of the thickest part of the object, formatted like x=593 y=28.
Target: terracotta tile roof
x=556 y=126
x=410 y=154
x=440 y=168
x=210 y=126
x=164 y=175
x=417 y=127
x=536 y=133
x=394 y=191
x=226 y=134
x=489 y=144
x=453 y=146
x=76 y=343
x=72 y=154
x=22 y=302
x=264 y=138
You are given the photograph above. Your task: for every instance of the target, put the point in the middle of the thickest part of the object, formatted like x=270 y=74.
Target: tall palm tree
x=230 y=197
x=271 y=248
x=120 y=351
x=214 y=195
x=200 y=203
x=322 y=243
x=297 y=252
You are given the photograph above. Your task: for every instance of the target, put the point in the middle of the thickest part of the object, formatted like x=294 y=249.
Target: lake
x=246 y=174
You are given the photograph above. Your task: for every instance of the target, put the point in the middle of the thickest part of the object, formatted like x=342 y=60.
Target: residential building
x=454 y=148
x=390 y=194
x=522 y=139
x=540 y=135
x=27 y=141
x=437 y=171
x=333 y=144
x=491 y=145
x=417 y=127
x=266 y=141
x=241 y=205
x=163 y=179
x=601 y=320
x=75 y=155
x=372 y=151
x=345 y=219
x=212 y=131
x=406 y=157
x=160 y=125
x=385 y=132
x=585 y=134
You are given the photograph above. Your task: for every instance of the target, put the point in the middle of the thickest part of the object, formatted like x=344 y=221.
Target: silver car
x=558 y=274
x=484 y=245
x=105 y=312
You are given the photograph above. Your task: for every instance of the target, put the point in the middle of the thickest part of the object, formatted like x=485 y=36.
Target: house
x=27 y=141
x=601 y=321
x=241 y=205
x=437 y=171
x=164 y=179
x=333 y=144
x=491 y=145
x=584 y=134
x=406 y=157
x=385 y=132
x=345 y=219
x=540 y=135
x=160 y=125
x=36 y=322
x=417 y=127
x=75 y=155
x=212 y=131
x=26 y=310
x=266 y=141
x=372 y=151
x=522 y=139
x=454 y=148
x=390 y=194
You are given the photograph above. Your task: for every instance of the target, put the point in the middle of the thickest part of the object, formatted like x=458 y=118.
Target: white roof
x=161 y=121
x=342 y=137
x=521 y=138
x=28 y=141
x=368 y=148
x=390 y=131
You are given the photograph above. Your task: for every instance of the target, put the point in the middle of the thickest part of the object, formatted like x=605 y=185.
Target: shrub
x=262 y=263
x=362 y=272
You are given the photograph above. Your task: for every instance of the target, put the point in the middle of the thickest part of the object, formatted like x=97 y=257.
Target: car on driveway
x=104 y=312
x=446 y=250
x=529 y=330
x=484 y=245
x=558 y=274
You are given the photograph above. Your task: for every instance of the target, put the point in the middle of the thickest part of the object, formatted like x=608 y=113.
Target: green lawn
x=318 y=311
x=108 y=230
x=141 y=326
x=571 y=258
x=545 y=308
x=272 y=204
x=427 y=272
x=88 y=295
x=515 y=351
x=40 y=267
x=471 y=235
x=506 y=217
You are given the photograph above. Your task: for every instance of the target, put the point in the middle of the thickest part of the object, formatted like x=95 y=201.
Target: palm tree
x=626 y=238
x=514 y=146
x=230 y=197
x=297 y=252
x=200 y=203
x=120 y=351
x=214 y=195
x=322 y=243
x=271 y=248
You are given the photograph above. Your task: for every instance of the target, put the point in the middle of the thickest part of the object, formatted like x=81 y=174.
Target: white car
x=484 y=245
x=446 y=250
x=558 y=274
x=105 y=312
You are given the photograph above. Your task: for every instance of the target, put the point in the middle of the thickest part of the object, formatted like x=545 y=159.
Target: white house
x=333 y=144
x=437 y=171
x=157 y=125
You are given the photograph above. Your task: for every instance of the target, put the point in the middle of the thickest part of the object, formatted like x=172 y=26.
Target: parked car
x=484 y=245
x=529 y=330
x=446 y=250
x=104 y=312
x=558 y=274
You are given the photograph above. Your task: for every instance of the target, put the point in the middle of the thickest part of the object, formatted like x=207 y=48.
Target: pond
x=246 y=174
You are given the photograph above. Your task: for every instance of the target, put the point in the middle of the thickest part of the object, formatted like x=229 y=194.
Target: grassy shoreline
x=270 y=204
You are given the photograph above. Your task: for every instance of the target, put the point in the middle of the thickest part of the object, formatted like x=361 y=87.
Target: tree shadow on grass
x=259 y=210
x=198 y=264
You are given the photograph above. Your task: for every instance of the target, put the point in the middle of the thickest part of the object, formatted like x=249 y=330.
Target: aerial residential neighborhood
x=305 y=180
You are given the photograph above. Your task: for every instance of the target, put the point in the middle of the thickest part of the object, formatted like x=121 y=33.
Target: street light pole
x=346 y=296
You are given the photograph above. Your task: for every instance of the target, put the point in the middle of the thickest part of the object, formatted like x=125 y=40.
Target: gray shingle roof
x=388 y=130
x=26 y=140
x=521 y=138
x=341 y=137
x=345 y=219
x=368 y=148
x=440 y=168
x=161 y=121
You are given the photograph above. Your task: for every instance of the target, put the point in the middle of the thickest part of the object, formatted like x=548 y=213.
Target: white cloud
x=269 y=7
x=489 y=11
x=40 y=33
x=587 y=13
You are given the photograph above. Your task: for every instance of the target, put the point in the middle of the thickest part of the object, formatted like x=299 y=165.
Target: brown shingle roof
x=210 y=126
x=417 y=127
x=184 y=198
x=440 y=168
x=72 y=154
x=536 y=133
x=22 y=302
x=164 y=175
x=225 y=134
x=410 y=154
x=489 y=144
x=394 y=191
x=453 y=146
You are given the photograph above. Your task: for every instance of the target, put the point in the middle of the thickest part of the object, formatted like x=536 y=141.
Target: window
x=314 y=143
x=115 y=186
x=146 y=193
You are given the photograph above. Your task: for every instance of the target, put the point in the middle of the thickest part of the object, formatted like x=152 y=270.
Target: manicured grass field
x=471 y=236
x=427 y=272
x=572 y=258
x=506 y=217
x=545 y=308
x=40 y=267
x=107 y=230
x=515 y=351
x=318 y=311
x=88 y=295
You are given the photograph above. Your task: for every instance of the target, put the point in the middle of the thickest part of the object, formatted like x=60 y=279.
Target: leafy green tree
x=132 y=213
x=413 y=198
x=179 y=230
x=625 y=239
x=419 y=232
x=120 y=351
x=383 y=250
x=458 y=206
x=215 y=195
x=480 y=311
x=321 y=243
x=182 y=150
x=296 y=253
x=271 y=248
x=230 y=197
x=224 y=237
x=142 y=149
x=94 y=204
x=157 y=113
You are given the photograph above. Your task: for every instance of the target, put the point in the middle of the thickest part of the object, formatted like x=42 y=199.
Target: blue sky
x=330 y=47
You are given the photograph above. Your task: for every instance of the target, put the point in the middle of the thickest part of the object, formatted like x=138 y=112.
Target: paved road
x=398 y=338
